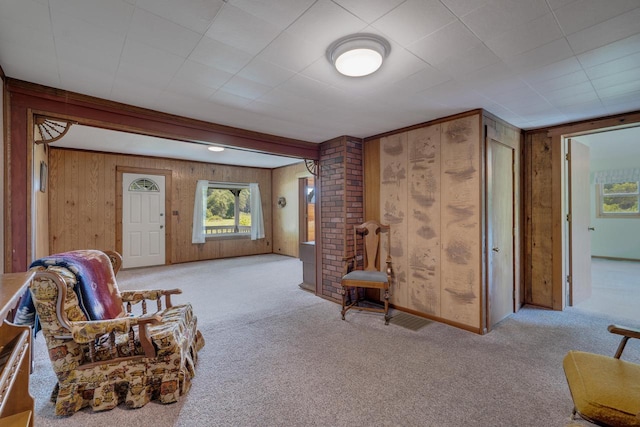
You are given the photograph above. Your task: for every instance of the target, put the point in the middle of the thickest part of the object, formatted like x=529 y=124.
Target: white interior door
x=143 y=220
x=580 y=238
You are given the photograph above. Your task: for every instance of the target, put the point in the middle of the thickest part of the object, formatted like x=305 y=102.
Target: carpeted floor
x=277 y=355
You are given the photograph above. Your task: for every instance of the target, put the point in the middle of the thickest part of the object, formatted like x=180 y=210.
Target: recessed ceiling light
x=358 y=55
x=215 y=148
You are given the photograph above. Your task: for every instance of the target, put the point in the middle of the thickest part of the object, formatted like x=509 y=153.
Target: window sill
x=228 y=236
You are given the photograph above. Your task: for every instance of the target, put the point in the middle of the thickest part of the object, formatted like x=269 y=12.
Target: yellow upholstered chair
x=361 y=268
x=605 y=390
x=101 y=351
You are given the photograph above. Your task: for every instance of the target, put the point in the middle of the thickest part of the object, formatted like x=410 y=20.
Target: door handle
x=162 y=226
x=592 y=229
x=496 y=249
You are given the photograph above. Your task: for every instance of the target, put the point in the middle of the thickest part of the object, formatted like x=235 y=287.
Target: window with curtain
x=224 y=209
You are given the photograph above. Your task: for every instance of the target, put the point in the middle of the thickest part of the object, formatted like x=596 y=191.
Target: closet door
x=500 y=229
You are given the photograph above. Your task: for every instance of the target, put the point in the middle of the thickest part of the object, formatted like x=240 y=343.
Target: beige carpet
x=279 y=356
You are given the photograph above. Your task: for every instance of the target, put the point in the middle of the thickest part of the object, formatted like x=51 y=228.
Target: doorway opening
x=603 y=221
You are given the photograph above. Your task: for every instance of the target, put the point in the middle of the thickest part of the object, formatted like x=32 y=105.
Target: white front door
x=143 y=220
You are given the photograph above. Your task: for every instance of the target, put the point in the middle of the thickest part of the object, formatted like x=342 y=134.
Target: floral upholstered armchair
x=101 y=353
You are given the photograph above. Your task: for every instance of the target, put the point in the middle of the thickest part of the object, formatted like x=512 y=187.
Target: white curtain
x=257 y=221
x=617 y=175
x=199 y=214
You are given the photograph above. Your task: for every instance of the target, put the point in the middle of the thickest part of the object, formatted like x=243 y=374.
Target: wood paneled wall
x=82 y=203
x=286 y=226
x=428 y=182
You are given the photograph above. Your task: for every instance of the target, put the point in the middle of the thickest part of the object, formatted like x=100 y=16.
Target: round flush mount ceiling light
x=359 y=54
x=215 y=148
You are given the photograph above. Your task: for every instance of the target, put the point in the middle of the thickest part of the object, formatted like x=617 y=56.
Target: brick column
x=341 y=202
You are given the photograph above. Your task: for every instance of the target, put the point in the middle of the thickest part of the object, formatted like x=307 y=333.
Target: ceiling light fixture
x=359 y=54
x=215 y=148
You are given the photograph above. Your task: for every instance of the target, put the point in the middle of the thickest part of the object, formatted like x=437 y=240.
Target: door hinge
x=567 y=156
x=568 y=217
x=569 y=279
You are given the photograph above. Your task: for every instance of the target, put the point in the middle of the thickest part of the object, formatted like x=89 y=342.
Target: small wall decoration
x=44 y=173
x=282 y=202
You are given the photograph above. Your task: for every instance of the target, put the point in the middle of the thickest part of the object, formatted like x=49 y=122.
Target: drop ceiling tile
x=195 y=15
x=557 y=4
x=622 y=99
x=129 y=91
x=86 y=57
x=424 y=79
x=307 y=87
x=323 y=23
x=28 y=14
x=561 y=100
x=617 y=79
x=92 y=81
x=266 y=73
x=628 y=89
x=79 y=42
x=280 y=13
x=223 y=97
x=31 y=67
x=570 y=91
x=147 y=66
x=556 y=51
x=113 y=15
x=245 y=88
x=489 y=78
x=582 y=14
x=162 y=34
x=497 y=17
x=444 y=43
x=615 y=50
x=593 y=106
x=552 y=71
x=536 y=33
x=369 y=10
x=219 y=55
x=564 y=81
x=603 y=33
x=618 y=65
x=190 y=88
x=201 y=74
x=413 y=20
x=291 y=52
x=281 y=99
x=463 y=7
x=398 y=65
x=237 y=28
x=466 y=62
x=31 y=39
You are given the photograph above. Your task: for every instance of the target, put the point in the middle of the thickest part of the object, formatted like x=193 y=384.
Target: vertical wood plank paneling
x=460 y=212
x=430 y=193
x=371 y=155
x=424 y=220
x=286 y=226
x=393 y=209
x=541 y=221
x=83 y=202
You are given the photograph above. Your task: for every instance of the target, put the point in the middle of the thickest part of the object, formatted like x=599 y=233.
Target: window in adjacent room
x=618 y=200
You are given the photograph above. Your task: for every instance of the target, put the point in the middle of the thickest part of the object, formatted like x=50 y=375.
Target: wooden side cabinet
x=16 y=403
